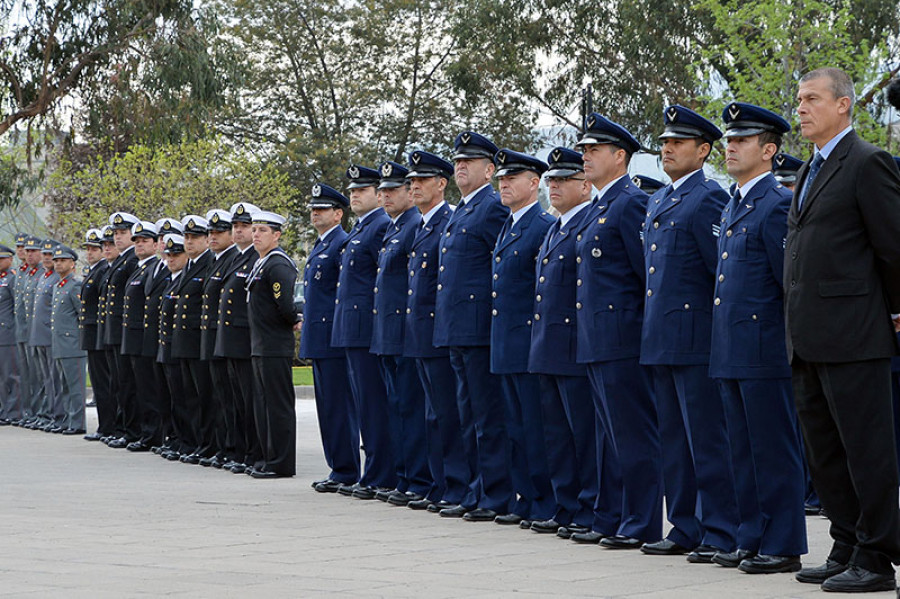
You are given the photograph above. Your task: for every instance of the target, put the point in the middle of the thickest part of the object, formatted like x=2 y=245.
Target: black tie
x=554 y=231
x=814 y=167
x=507 y=227
x=735 y=200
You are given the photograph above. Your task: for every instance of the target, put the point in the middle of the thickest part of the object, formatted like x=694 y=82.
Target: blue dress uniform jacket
x=423 y=276
x=391 y=284
x=554 y=337
x=320 y=277
x=119 y=272
x=43 y=309
x=748 y=313
x=212 y=292
x=90 y=304
x=679 y=243
x=7 y=307
x=355 y=298
x=463 y=305
x=233 y=337
x=610 y=284
x=189 y=308
x=513 y=290
x=66 y=309
x=154 y=290
x=133 y=308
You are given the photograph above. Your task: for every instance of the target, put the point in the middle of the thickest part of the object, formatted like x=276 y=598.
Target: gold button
x=494 y=312
x=656 y=224
x=687 y=306
x=653 y=247
x=538 y=298
x=578 y=259
x=578 y=282
x=717 y=302
x=724 y=255
x=578 y=305
x=728 y=233
x=439 y=287
x=409 y=310
x=537 y=316
x=546 y=260
x=497 y=259
x=409 y=292
x=493 y=294
x=649 y=292
x=541 y=280
x=721 y=278
x=652 y=270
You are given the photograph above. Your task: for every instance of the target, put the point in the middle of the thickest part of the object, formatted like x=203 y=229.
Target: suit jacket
x=554 y=329
x=842 y=258
x=233 y=336
x=43 y=310
x=610 y=285
x=513 y=289
x=8 y=307
x=418 y=341
x=355 y=298
x=135 y=292
x=463 y=306
x=119 y=272
x=680 y=255
x=212 y=293
x=90 y=304
x=392 y=284
x=154 y=289
x=167 y=308
x=748 y=310
x=25 y=302
x=189 y=308
x=320 y=278
x=271 y=306
x=66 y=342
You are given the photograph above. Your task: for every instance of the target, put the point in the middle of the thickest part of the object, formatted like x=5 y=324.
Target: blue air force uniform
x=610 y=298
x=680 y=258
x=749 y=358
x=405 y=395
x=447 y=461
x=353 y=331
x=335 y=406
x=463 y=324
x=513 y=306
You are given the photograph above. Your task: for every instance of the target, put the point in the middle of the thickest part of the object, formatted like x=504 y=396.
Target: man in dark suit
x=233 y=340
x=335 y=406
x=352 y=331
x=610 y=298
x=842 y=286
x=406 y=398
x=463 y=322
x=450 y=471
x=98 y=367
x=513 y=282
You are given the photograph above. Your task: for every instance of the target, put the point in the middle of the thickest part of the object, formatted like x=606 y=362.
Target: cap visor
x=561 y=173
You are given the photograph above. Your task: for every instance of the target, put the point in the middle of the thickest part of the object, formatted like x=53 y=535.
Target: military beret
x=122 y=220
x=744 y=120
x=362 y=176
x=242 y=212
x=425 y=164
x=174 y=243
x=195 y=225
x=63 y=252
x=600 y=130
x=219 y=220
x=647 y=184
x=392 y=175
x=684 y=123
x=564 y=163
x=510 y=162
x=469 y=144
x=325 y=196
x=144 y=229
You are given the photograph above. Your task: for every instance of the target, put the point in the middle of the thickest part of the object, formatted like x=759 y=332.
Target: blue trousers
x=482 y=417
x=527 y=452
x=697 y=467
x=631 y=427
x=372 y=405
x=768 y=464
x=338 y=421
x=447 y=459
x=406 y=399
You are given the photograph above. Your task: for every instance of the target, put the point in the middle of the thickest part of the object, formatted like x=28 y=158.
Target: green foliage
x=169 y=180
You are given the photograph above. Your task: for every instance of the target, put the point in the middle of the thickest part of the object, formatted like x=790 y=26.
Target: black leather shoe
x=508 y=519
x=566 y=532
x=239 y=468
x=347 y=490
x=437 y=506
x=93 y=437
x=172 y=456
x=137 y=446
x=664 y=547
x=546 y=526
x=770 y=564
x=587 y=538
x=362 y=492
x=620 y=542
x=401 y=499
x=384 y=494
x=702 y=554
x=56 y=429
x=268 y=474
x=733 y=559
x=422 y=504
x=479 y=515
x=326 y=486
x=119 y=443
x=456 y=511
x=72 y=431
x=318 y=482
x=190 y=459
x=859 y=580
x=207 y=462
x=820 y=574
x=811 y=510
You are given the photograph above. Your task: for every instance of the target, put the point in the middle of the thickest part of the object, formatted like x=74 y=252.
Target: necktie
x=814 y=167
x=507 y=227
x=735 y=200
x=554 y=231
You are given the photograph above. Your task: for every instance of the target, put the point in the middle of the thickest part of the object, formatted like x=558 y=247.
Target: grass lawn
x=302 y=376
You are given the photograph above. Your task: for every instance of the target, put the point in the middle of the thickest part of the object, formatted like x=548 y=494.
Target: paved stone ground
x=80 y=520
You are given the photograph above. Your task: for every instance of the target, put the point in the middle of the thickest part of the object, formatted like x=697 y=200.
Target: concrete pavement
x=78 y=519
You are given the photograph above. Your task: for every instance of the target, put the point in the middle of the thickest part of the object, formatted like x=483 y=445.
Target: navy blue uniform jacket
x=320 y=278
